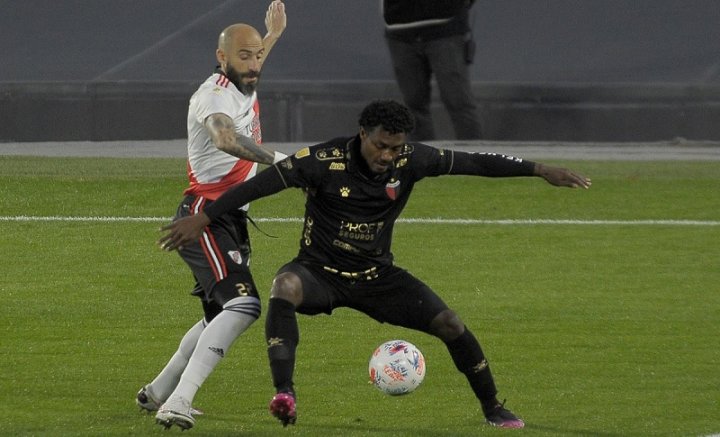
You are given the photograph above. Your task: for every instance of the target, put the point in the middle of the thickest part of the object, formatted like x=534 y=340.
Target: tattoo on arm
x=222 y=132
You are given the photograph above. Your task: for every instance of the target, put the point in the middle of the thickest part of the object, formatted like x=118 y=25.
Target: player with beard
x=356 y=188
x=224 y=147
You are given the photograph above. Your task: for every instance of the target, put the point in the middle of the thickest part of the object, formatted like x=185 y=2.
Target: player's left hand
x=275 y=18
x=562 y=177
x=183 y=231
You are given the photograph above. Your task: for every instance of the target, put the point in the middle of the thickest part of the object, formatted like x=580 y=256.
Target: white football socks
x=214 y=343
x=166 y=381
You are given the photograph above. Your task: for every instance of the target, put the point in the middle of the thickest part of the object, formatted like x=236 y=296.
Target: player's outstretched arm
x=183 y=231
x=275 y=22
x=189 y=229
x=561 y=177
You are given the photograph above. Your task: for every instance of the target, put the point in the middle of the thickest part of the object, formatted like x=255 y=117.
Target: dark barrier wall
x=301 y=111
x=546 y=70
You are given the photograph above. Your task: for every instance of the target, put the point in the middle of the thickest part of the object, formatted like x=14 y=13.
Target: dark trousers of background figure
x=415 y=63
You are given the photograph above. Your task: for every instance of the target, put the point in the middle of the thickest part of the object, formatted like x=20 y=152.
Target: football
x=397 y=367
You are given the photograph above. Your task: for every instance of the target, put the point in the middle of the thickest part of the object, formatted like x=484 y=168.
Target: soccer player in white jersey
x=224 y=148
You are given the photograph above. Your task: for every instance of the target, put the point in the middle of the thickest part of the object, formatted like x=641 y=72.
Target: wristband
x=279 y=156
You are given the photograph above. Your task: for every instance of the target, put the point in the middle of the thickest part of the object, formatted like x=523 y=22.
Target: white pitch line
x=440 y=221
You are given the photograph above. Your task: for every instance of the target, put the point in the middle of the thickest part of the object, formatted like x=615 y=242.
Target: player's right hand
x=562 y=177
x=275 y=18
x=183 y=231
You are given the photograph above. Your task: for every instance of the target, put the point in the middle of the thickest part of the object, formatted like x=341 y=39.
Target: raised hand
x=275 y=19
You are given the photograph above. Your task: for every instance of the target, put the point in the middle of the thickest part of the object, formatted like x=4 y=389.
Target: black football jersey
x=350 y=212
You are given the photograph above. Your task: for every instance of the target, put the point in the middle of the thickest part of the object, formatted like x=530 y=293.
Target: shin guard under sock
x=215 y=341
x=470 y=360
x=282 y=336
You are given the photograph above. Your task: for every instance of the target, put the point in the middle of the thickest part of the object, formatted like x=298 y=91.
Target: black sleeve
x=486 y=164
x=265 y=183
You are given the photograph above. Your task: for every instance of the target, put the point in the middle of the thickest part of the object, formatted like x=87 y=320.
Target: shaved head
x=239 y=35
x=239 y=53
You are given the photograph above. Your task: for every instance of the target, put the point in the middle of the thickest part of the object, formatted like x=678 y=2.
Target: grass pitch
x=594 y=328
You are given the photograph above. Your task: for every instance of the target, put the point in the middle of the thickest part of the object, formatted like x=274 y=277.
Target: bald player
x=224 y=148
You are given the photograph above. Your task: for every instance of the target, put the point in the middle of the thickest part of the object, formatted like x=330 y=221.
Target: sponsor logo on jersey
x=345 y=246
x=391 y=188
x=302 y=153
x=308 y=231
x=359 y=231
x=255 y=129
x=337 y=166
x=255 y=125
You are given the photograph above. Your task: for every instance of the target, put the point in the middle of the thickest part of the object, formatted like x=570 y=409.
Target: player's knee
x=447 y=326
x=287 y=286
x=246 y=305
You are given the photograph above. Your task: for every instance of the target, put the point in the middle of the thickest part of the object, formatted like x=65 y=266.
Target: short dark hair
x=391 y=115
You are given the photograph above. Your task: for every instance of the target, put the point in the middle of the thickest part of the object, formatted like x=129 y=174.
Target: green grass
x=590 y=329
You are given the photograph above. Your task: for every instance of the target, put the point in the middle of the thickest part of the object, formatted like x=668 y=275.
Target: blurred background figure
x=430 y=38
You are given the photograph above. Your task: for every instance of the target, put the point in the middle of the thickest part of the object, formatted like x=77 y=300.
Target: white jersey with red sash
x=211 y=171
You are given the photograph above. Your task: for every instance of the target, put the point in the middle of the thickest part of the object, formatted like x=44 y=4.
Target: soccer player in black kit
x=356 y=188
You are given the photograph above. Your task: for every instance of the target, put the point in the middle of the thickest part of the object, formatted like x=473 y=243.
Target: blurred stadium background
x=552 y=70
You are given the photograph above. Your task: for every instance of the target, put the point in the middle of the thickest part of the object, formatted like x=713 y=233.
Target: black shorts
x=394 y=296
x=220 y=260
